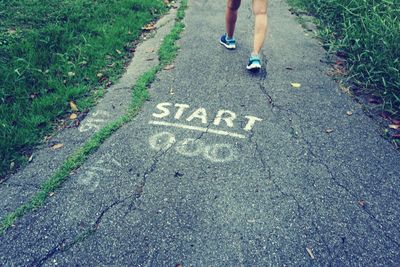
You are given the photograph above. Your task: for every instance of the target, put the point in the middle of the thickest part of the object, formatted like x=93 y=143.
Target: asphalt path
x=227 y=168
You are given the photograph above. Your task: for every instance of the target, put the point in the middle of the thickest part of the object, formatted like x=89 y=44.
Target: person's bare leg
x=232 y=7
x=260 y=24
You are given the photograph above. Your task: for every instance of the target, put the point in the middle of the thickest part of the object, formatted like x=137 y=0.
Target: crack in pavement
x=63 y=246
x=335 y=180
x=270 y=176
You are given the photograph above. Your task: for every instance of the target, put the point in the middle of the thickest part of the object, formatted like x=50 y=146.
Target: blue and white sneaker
x=227 y=42
x=254 y=63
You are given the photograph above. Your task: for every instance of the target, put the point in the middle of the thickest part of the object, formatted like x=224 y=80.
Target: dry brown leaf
x=169 y=67
x=73 y=106
x=149 y=27
x=310 y=253
x=345 y=89
x=73 y=116
x=57 y=146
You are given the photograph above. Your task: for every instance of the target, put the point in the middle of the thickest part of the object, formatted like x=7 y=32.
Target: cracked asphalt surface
x=173 y=187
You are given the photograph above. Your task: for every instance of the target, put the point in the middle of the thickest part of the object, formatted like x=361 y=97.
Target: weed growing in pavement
x=139 y=96
x=52 y=52
x=367 y=34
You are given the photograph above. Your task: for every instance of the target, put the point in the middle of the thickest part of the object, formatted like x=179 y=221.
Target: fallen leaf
x=296 y=85
x=394 y=126
x=57 y=146
x=329 y=130
x=349 y=113
x=149 y=27
x=345 y=89
x=169 y=67
x=310 y=253
x=362 y=203
x=73 y=106
x=118 y=51
x=73 y=116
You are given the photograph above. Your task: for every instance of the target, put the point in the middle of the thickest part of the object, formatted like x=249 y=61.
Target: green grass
x=167 y=53
x=368 y=34
x=52 y=52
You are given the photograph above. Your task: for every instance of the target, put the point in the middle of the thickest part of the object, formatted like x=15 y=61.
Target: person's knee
x=260 y=11
x=260 y=7
x=233 y=4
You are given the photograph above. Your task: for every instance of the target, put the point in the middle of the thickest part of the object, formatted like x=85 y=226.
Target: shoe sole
x=253 y=67
x=230 y=47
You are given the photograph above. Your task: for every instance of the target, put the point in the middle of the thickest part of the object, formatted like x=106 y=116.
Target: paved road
x=225 y=168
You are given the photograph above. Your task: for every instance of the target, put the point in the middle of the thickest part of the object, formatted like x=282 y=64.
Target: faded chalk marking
x=162 y=141
x=90 y=178
x=201 y=114
x=95 y=121
x=220 y=153
x=199 y=129
x=251 y=121
x=184 y=112
x=190 y=147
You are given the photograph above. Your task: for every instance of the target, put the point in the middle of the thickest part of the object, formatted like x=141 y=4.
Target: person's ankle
x=255 y=55
x=228 y=38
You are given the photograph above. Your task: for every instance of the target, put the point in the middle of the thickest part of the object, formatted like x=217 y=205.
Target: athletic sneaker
x=227 y=42
x=254 y=63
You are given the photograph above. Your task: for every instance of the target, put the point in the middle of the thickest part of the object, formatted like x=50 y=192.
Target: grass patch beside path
x=167 y=54
x=367 y=33
x=53 y=52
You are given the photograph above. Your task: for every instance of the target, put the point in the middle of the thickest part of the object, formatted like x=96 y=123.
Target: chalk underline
x=199 y=129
